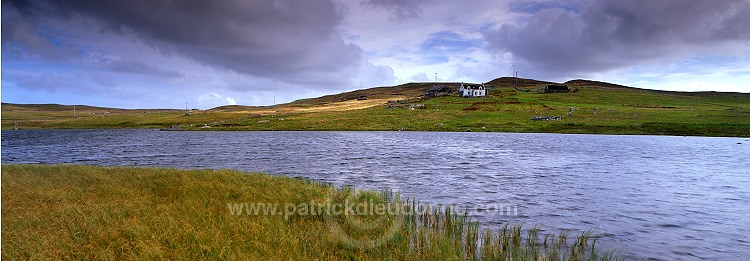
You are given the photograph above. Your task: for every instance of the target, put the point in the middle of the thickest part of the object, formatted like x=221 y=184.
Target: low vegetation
x=594 y=107
x=114 y=213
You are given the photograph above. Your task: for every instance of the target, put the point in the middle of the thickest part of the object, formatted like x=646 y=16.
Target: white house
x=473 y=91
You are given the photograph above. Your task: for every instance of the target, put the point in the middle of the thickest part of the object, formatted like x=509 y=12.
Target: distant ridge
x=592 y=107
x=407 y=90
x=518 y=82
x=61 y=107
x=582 y=82
x=414 y=89
x=51 y=107
x=591 y=83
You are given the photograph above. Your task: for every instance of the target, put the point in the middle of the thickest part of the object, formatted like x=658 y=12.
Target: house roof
x=473 y=86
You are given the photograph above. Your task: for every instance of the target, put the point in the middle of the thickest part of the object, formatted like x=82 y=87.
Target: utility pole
x=515 y=77
x=186 y=108
x=274 y=100
x=74 y=112
x=436 y=77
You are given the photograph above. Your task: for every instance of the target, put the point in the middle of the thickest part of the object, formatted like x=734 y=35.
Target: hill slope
x=594 y=107
x=51 y=107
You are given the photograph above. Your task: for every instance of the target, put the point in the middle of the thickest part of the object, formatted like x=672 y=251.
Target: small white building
x=473 y=90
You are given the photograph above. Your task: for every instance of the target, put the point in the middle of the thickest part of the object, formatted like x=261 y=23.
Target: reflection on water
x=650 y=196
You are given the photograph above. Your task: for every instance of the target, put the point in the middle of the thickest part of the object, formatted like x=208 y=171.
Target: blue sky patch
x=534 y=7
x=450 y=42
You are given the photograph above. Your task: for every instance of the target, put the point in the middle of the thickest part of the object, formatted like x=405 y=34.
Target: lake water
x=651 y=197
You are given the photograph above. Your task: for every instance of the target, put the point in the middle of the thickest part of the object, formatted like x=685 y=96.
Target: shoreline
x=422 y=131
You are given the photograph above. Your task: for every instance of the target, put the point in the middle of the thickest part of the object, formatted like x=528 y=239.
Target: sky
x=203 y=54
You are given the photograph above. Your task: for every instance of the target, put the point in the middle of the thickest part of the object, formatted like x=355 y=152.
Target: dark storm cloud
x=283 y=39
x=613 y=34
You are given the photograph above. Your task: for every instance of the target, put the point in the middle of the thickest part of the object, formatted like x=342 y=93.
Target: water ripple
x=653 y=197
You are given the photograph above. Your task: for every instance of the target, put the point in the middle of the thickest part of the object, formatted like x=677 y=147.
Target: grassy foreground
x=595 y=107
x=113 y=213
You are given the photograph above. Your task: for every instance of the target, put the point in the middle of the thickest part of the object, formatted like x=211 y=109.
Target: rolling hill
x=515 y=105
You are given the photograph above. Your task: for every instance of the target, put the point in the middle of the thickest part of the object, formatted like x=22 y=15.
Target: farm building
x=439 y=90
x=473 y=90
x=554 y=88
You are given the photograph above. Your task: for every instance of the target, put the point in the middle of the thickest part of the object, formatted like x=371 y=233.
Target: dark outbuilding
x=555 y=88
x=439 y=90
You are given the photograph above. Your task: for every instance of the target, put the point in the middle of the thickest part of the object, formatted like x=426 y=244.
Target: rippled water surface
x=651 y=197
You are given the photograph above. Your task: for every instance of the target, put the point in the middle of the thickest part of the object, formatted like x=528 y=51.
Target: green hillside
x=592 y=107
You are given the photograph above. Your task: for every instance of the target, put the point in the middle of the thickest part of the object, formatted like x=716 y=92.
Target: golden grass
x=82 y=212
x=114 y=213
x=327 y=107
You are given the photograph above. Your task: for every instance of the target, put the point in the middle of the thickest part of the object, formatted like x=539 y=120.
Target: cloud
x=559 y=40
x=441 y=46
x=436 y=37
x=21 y=40
x=291 y=41
x=103 y=80
x=208 y=96
x=150 y=53
x=212 y=100
x=401 y=9
x=376 y=75
x=420 y=77
x=533 y=7
x=47 y=82
x=138 y=67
